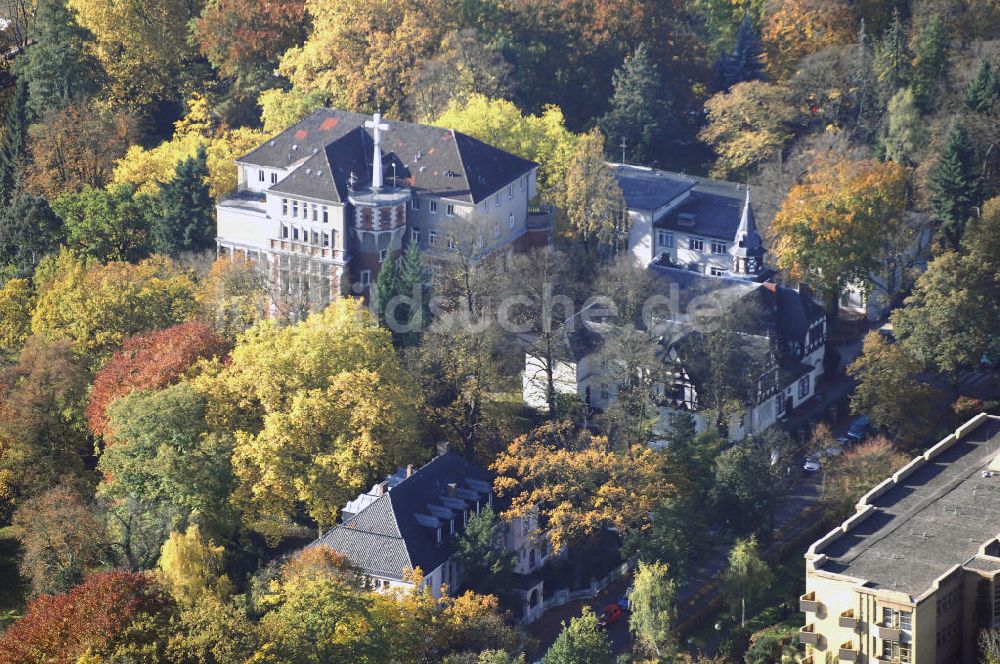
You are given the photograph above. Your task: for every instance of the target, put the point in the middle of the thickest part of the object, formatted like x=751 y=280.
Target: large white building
x=781 y=352
x=324 y=203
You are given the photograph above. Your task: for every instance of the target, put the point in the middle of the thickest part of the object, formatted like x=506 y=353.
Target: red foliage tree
x=109 y=614
x=238 y=35
x=148 y=362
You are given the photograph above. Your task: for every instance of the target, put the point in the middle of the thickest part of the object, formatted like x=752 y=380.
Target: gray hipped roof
x=329 y=145
x=397 y=531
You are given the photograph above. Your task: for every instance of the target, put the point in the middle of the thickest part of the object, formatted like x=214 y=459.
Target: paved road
x=547 y=628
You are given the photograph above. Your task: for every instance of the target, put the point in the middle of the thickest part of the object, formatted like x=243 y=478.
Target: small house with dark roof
x=327 y=201
x=413 y=519
x=694 y=223
x=781 y=347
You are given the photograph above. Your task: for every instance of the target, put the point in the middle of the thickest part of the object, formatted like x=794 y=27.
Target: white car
x=811 y=464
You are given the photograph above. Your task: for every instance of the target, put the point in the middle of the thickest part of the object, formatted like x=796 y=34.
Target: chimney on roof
x=442 y=448
x=452 y=489
x=409 y=470
x=381 y=488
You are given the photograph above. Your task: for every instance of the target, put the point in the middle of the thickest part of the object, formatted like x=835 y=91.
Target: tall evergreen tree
x=410 y=283
x=29 y=229
x=57 y=67
x=187 y=219
x=743 y=63
x=866 y=102
x=930 y=66
x=640 y=109
x=893 y=60
x=955 y=186
x=984 y=88
x=14 y=144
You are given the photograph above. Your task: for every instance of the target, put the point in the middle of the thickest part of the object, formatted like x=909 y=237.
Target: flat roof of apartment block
x=928 y=521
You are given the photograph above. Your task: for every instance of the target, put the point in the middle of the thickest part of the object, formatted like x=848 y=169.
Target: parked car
x=623 y=602
x=860 y=428
x=844 y=441
x=811 y=464
x=611 y=614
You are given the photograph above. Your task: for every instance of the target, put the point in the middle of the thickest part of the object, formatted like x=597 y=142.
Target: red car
x=611 y=614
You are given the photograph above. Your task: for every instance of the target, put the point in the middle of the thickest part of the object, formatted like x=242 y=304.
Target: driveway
x=547 y=628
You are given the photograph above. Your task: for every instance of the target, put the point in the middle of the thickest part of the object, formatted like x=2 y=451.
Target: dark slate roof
x=397 y=531
x=928 y=522
x=650 y=189
x=435 y=160
x=712 y=208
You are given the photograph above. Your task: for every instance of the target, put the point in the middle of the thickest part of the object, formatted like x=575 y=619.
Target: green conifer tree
x=416 y=284
x=640 y=109
x=893 y=60
x=743 y=63
x=29 y=229
x=930 y=66
x=982 y=91
x=954 y=185
x=387 y=286
x=14 y=144
x=868 y=112
x=187 y=219
x=57 y=67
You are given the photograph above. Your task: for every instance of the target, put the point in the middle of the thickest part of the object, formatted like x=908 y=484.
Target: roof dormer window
x=438 y=535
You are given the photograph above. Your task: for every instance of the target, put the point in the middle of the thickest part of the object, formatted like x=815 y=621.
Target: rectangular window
x=496 y=231
x=510 y=221
x=326 y=239
x=451 y=241
x=523 y=180
x=315 y=237
x=415 y=235
x=510 y=191
x=414 y=203
x=382 y=255
x=274 y=178
x=605 y=392
x=432 y=238
x=719 y=247
x=326 y=215
x=716 y=271
x=366 y=277
x=260 y=176
x=295 y=208
x=779 y=404
x=696 y=244
x=284 y=207
x=804 y=385
x=497 y=197
x=450 y=210
x=295 y=234
x=315 y=209
x=664 y=239
x=434 y=207
x=284 y=232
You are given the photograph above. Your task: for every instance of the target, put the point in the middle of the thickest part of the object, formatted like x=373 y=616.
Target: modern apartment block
x=914 y=574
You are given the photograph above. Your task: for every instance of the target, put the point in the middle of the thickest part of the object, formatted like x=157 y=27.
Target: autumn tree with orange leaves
x=148 y=362
x=795 y=28
x=579 y=483
x=832 y=228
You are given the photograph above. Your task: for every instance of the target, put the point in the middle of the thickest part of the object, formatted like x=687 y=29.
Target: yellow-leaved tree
x=98 y=306
x=16 y=303
x=541 y=138
x=319 y=409
x=579 y=483
x=146 y=169
x=192 y=569
x=364 y=55
x=838 y=226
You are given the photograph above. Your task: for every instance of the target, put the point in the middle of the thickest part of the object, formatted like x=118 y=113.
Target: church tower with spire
x=748 y=248
x=379 y=216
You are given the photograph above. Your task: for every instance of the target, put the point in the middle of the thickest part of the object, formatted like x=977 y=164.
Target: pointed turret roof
x=747 y=242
